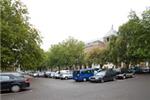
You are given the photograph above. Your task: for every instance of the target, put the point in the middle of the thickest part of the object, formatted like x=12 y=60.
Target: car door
x=110 y=75
x=107 y=76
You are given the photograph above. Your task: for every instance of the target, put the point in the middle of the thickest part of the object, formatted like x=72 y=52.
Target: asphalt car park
x=137 y=88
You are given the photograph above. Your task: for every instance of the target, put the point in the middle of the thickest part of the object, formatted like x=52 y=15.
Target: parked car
x=117 y=70
x=41 y=74
x=105 y=75
x=52 y=75
x=13 y=82
x=30 y=73
x=125 y=73
x=38 y=74
x=57 y=74
x=83 y=74
x=66 y=75
x=47 y=73
x=97 y=70
x=145 y=69
x=140 y=70
x=35 y=74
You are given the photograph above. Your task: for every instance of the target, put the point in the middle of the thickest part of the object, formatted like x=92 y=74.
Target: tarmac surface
x=137 y=88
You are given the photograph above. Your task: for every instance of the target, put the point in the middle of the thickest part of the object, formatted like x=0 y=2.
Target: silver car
x=57 y=74
x=67 y=75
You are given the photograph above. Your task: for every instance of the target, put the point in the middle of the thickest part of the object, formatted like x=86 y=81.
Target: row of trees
x=66 y=54
x=20 y=41
x=130 y=45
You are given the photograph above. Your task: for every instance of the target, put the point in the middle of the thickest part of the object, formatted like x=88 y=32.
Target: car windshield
x=76 y=72
x=57 y=72
x=102 y=73
x=47 y=72
x=65 y=73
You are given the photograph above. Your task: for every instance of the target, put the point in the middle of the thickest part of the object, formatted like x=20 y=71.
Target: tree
x=143 y=38
x=113 y=50
x=97 y=56
x=66 y=54
x=20 y=41
x=132 y=43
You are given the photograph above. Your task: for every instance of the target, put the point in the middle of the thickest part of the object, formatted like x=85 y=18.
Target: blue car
x=83 y=74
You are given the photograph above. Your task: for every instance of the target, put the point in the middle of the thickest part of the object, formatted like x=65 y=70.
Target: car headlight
x=97 y=78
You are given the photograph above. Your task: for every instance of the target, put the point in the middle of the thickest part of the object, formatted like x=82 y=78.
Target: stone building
x=94 y=44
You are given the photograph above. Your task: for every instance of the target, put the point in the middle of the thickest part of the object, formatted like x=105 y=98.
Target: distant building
x=94 y=44
x=109 y=34
x=101 y=44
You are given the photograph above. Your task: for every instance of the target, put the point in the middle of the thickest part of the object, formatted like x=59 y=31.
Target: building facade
x=94 y=44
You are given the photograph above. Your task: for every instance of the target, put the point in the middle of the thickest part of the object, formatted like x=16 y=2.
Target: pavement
x=137 y=88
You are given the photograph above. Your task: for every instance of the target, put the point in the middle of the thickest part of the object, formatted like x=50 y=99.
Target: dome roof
x=111 y=32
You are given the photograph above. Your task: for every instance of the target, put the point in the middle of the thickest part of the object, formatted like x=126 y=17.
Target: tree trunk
x=80 y=66
x=59 y=68
x=70 y=67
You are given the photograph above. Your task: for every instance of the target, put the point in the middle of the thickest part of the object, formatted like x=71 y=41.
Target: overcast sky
x=85 y=20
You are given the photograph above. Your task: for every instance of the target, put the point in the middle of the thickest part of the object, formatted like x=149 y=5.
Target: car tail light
x=28 y=80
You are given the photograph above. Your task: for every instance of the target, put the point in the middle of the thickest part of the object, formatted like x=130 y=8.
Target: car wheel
x=15 y=88
x=114 y=78
x=84 y=79
x=66 y=78
x=102 y=80
x=76 y=80
x=132 y=76
x=123 y=77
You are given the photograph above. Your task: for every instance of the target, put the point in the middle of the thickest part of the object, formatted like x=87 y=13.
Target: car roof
x=10 y=73
x=87 y=69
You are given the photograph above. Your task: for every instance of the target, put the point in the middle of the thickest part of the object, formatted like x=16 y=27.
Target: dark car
x=140 y=70
x=13 y=82
x=47 y=74
x=125 y=73
x=105 y=75
x=145 y=69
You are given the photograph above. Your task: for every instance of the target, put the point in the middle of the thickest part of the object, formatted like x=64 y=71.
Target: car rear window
x=4 y=78
x=76 y=72
x=87 y=72
x=102 y=73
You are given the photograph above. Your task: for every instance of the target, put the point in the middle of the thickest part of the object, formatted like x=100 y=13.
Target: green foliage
x=97 y=56
x=137 y=36
x=132 y=42
x=130 y=45
x=20 y=41
x=66 y=53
